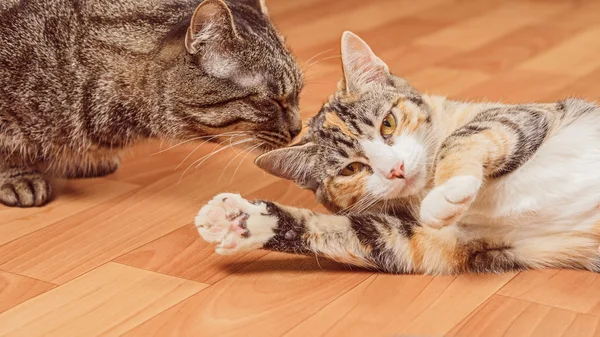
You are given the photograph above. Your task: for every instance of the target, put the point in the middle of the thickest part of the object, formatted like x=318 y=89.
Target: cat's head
x=371 y=141
x=250 y=81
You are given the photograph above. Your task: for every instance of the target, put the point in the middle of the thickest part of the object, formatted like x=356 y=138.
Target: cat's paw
x=24 y=189
x=235 y=223
x=447 y=203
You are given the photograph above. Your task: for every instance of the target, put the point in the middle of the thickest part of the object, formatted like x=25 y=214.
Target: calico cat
x=81 y=80
x=423 y=184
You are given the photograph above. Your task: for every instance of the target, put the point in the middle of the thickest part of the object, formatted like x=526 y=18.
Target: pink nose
x=397 y=171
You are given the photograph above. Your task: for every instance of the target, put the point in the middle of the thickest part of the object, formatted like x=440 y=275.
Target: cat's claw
x=447 y=203
x=235 y=223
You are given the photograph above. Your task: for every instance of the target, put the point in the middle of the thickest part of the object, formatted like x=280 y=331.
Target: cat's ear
x=211 y=21
x=259 y=5
x=361 y=66
x=292 y=163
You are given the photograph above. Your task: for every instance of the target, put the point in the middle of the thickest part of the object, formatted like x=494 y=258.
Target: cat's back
x=37 y=41
x=39 y=29
x=28 y=29
x=50 y=48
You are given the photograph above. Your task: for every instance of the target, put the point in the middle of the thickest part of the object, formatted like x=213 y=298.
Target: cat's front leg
x=376 y=241
x=447 y=203
x=23 y=187
x=367 y=240
x=497 y=142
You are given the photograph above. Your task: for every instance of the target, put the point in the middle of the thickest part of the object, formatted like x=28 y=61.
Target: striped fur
x=81 y=80
x=476 y=187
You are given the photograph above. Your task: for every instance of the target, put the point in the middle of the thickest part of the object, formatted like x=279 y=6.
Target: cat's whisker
x=204 y=158
x=317 y=55
x=186 y=158
x=367 y=205
x=365 y=200
x=233 y=159
x=320 y=60
x=197 y=147
x=246 y=156
x=323 y=59
x=193 y=139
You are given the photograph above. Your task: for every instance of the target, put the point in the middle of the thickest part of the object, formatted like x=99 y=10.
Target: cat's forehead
x=351 y=117
x=264 y=57
x=345 y=120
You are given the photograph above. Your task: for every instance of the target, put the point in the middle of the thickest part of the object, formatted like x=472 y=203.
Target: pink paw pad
x=229 y=244
x=215 y=214
x=230 y=203
x=216 y=230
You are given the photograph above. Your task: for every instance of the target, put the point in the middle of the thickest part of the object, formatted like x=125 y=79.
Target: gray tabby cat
x=81 y=80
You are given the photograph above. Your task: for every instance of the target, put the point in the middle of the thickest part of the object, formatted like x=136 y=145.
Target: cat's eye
x=352 y=169
x=280 y=103
x=388 y=126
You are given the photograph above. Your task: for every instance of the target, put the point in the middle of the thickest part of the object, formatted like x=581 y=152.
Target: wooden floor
x=119 y=255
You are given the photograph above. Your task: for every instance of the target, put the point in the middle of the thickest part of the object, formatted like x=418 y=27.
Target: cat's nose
x=295 y=130
x=397 y=172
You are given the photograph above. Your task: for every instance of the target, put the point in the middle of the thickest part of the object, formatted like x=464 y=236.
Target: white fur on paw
x=235 y=223
x=446 y=204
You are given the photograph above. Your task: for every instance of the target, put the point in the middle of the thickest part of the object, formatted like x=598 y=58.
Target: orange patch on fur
x=411 y=119
x=416 y=251
x=466 y=160
x=501 y=148
x=333 y=120
x=347 y=192
x=424 y=243
x=406 y=121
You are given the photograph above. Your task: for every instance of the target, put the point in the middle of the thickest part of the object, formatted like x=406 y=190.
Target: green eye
x=388 y=126
x=352 y=169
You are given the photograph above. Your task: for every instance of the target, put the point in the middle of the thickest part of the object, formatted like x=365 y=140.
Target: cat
x=423 y=184
x=82 y=80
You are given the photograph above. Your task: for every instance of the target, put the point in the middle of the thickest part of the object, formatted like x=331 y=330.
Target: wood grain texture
x=182 y=253
x=565 y=289
x=66 y=249
x=393 y=305
x=262 y=299
x=15 y=289
x=107 y=301
x=119 y=255
x=75 y=197
x=505 y=316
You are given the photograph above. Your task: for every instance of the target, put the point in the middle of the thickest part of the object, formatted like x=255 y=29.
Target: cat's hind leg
x=23 y=187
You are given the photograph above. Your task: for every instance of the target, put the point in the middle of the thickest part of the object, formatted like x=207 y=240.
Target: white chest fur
x=558 y=188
